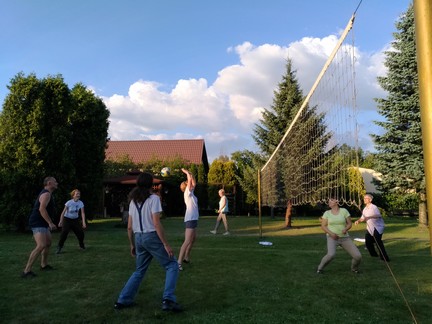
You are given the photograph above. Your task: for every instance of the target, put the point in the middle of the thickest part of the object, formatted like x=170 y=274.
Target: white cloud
x=224 y=113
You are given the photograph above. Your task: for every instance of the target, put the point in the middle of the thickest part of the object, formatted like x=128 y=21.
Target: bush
x=397 y=202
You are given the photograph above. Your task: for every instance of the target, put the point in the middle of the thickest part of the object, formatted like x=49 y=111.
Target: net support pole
x=423 y=29
x=259 y=204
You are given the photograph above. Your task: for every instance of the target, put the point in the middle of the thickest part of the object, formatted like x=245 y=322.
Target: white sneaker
x=226 y=233
x=213 y=232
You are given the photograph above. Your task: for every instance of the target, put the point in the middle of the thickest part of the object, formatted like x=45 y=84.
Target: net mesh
x=318 y=155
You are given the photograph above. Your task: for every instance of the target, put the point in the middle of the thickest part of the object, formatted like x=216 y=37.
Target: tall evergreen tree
x=400 y=157
x=275 y=121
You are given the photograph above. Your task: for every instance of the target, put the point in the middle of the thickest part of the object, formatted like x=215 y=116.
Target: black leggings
x=370 y=245
x=75 y=226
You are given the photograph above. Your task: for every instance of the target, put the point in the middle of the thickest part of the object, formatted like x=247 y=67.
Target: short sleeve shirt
x=223 y=201
x=336 y=223
x=373 y=223
x=72 y=208
x=151 y=206
x=191 y=203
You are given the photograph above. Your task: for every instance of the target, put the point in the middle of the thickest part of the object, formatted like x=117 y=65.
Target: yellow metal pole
x=423 y=29
x=259 y=204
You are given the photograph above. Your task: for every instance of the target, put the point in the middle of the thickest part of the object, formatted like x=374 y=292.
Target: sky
x=170 y=69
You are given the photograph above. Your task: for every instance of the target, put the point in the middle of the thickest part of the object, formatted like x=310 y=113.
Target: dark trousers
x=75 y=226
x=370 y=245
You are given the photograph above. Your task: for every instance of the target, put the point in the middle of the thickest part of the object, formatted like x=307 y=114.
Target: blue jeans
x=147 y=246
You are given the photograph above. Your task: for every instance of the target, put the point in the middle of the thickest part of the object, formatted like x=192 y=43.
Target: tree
x=222 y=175
x=400 y=157
x=48 y=129
x=89 y=126
x=368 y=160
x=119 y=166
x=301 y=159
x=275 y=121
x=248 y=163
x=272 y=127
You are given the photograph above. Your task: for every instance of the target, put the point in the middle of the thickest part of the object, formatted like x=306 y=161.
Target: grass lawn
x=232 y=279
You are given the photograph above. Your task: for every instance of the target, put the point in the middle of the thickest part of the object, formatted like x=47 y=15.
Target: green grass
x=232 y=279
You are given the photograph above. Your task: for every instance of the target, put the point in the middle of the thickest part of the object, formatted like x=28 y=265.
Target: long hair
x=143 y=188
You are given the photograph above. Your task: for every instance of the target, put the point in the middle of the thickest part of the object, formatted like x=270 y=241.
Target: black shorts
x=191 y=224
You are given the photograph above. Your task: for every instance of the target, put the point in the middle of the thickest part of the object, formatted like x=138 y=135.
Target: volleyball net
x=317 y=157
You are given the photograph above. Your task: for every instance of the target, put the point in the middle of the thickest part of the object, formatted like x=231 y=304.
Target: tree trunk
x=423 y=219
x=288 y=214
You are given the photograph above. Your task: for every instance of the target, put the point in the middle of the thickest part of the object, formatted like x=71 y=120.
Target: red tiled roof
x=129 y=180
x=193 y=151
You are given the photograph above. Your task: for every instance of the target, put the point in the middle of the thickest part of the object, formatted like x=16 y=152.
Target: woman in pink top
x=375 y=228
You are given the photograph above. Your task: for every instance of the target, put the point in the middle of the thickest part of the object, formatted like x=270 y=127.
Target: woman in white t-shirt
x=70 y=220
x=190 y=219
x=222 y=211
x=147 y=241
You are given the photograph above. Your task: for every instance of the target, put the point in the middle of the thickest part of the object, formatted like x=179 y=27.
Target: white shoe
x=213 y=232
x=226 y=233
x=180 y=267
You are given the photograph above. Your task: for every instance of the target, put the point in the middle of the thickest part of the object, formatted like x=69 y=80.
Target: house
x=192 y=150
x=116 y=189
x=369 y=177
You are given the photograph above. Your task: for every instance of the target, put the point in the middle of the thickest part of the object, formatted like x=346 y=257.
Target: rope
x=395 y=280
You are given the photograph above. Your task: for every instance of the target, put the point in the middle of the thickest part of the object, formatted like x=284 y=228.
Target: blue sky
x=170 y=69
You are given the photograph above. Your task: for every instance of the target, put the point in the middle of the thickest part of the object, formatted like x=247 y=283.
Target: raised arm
x=190 y=179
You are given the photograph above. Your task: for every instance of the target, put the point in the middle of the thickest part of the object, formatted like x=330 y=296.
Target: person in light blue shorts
x=190 y=219
x=41 y=223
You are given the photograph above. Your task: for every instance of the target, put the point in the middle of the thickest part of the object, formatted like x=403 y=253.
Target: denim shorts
x=191 y=224
x=42 y=230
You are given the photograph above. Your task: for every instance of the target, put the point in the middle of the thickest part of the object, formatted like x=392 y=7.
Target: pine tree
x=400 y=157
x=275 y=121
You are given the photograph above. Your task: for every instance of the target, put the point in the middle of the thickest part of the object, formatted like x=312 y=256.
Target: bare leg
x=189 y=247
x=218 y=220
x=187 y=244
x=40 y=239
x=45 y=251
x=224 y=220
